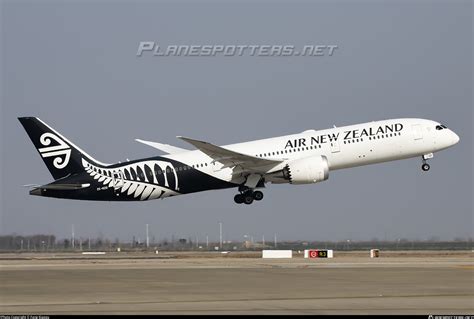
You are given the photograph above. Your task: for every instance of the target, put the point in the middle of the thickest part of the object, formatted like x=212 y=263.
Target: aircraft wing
x=230 y=158
x=163 y=147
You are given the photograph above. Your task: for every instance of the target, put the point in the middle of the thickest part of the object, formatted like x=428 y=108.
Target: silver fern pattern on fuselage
x=144 y=180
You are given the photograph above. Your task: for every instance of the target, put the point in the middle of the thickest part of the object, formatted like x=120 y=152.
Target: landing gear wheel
x=257 y=195
x=248 y=199
x=425 y=167
x=239 y=198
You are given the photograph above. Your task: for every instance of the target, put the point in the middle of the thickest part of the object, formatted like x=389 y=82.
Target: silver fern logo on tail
x=61 y=151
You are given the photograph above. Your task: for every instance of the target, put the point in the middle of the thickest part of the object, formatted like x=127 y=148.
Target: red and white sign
x=318 y=253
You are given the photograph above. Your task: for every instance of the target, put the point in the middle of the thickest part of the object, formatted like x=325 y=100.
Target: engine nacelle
x=307 y=170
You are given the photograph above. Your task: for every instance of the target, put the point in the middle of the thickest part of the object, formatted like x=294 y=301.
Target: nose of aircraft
x=454 y=138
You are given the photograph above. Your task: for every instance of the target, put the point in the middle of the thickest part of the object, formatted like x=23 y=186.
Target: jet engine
x=307 y=170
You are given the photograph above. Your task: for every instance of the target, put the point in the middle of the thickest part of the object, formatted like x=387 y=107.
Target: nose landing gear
x=247 y=196
x=425 y=166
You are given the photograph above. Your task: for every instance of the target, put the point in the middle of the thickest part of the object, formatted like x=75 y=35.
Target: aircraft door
x=117 y=177
x=335 y=146
x=417 y=132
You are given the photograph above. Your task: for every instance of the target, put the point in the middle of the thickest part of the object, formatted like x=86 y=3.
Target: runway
x=217 y=284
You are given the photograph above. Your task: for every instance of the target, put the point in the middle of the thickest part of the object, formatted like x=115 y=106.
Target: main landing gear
x=247 y=196
x=425 y=166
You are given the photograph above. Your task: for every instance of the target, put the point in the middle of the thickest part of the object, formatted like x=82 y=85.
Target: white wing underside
x=232 y=159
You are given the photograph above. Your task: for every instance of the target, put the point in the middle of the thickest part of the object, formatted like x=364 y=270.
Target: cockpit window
x=440 y=127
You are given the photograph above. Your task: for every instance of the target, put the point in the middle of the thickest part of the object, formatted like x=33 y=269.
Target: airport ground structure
x=49 y=243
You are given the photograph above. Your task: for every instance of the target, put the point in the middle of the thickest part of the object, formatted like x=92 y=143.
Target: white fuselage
x=344 y=147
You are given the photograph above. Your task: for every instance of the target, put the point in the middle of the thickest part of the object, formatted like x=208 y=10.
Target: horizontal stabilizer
x=64 y=186
x=163 y=147
x=32 y=185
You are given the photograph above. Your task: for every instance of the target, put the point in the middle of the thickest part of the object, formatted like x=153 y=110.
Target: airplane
x=302 y=158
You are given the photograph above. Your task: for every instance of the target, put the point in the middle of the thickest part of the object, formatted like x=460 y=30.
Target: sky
x=74 y=64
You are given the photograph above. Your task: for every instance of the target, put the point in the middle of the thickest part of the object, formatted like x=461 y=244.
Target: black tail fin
x=60 y=155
